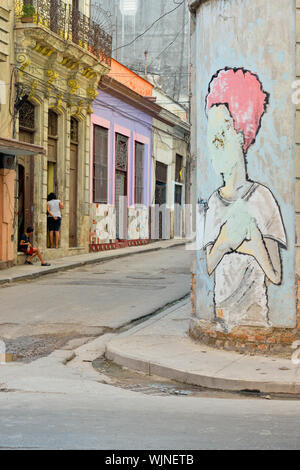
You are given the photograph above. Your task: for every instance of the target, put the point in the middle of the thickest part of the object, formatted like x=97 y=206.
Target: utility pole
x=116 y=27
x=146 y=54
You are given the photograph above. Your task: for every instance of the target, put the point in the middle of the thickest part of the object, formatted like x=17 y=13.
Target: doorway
x=73 y=184
x=121 y=176
x=26 y=169
x=161 y=172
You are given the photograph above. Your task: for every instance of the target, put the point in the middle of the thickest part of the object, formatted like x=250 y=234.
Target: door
x=26 y=168
x=121 y=190
x=121 y=177
x=52 y=151
x=27 y=183
x=21 y=200
x=161 y=172
x=73 y=184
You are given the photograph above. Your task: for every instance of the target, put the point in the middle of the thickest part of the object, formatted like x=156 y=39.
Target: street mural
x=244 y=231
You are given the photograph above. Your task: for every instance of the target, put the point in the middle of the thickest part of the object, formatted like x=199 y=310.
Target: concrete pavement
x=55 y=404
x=46 y=405
x=162 y=347
x=26 y=272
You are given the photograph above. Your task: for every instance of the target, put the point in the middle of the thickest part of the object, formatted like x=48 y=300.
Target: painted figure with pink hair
x=244 y=230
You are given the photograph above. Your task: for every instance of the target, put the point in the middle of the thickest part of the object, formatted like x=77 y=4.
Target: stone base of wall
x=94 y=247
x=245 y=339
x=6 y=264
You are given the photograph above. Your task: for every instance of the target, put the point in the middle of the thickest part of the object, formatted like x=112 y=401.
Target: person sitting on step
x=26 y=247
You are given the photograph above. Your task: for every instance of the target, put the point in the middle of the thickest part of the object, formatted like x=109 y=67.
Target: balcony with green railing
x=68 y=23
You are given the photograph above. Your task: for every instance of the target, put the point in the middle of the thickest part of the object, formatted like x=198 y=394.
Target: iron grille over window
x=121 y=152
x=52 y=124
x=178 y=194
x=178 y=169
x=26 y=115
x=161 y=172
x=100 y=164
x=139 y=173
x=74 y=130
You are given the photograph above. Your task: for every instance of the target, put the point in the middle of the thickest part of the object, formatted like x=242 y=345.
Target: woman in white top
x=54 y=207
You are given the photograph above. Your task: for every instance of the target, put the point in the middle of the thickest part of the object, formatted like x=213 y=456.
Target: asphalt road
x=47 y=405
x=117 y=419
x=91 y=298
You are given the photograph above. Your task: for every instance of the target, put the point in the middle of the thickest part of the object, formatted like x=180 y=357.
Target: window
x=26 y=116
x=52 y=151
x=178 y=169
x=139 y=173
x=121 y=152
x=74 y=130
x=100 y=164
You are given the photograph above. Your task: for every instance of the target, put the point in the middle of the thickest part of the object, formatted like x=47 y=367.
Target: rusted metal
x=70 y=24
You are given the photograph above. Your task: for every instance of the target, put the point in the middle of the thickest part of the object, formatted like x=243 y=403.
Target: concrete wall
x=298 y=144
x=257 y=36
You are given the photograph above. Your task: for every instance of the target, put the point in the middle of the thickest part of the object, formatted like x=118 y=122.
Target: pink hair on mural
x=242 y=92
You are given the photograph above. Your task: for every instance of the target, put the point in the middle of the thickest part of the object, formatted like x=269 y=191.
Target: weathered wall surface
x=258 y=36
x=103 y=223
x=7 y=174
x=298 y=145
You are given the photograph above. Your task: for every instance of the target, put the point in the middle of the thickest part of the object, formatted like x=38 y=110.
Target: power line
x=169 y=45
x=149 y=27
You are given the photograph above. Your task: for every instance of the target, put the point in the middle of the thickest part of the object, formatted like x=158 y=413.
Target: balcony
x=69 y=24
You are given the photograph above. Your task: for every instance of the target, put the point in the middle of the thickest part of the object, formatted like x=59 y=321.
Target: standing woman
x=54 y=207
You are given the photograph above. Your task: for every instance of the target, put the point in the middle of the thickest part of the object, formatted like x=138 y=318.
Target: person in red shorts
x=26 y=247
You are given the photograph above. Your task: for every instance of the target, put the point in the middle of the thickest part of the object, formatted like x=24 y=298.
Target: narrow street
x=42 y=315
x=47 y=404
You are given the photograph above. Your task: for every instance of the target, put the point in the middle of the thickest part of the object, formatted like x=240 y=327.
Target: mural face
x=244 y=230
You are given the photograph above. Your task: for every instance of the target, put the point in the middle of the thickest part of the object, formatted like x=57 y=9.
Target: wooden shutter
x=100 y=164
x=178 y=169
x=139 y=173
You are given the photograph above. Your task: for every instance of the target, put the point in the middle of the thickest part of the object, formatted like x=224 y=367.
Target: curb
x=78 y=264
x=207 y=381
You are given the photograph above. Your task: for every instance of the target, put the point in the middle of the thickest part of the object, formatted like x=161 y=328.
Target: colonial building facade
x=60 y=56
x=170 y=163
x=121 y=150
x=9 y=147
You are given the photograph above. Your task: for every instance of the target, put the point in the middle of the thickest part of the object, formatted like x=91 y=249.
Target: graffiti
x=244 y=230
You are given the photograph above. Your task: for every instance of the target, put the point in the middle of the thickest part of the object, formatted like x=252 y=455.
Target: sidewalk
x=24 y=272
x=162 y=347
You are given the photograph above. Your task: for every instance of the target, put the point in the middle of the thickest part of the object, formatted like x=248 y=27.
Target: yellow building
x=60 y=55
x=9 y=147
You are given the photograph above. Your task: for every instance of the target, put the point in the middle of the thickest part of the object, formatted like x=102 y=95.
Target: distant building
x=170 y=163
x=166 y=42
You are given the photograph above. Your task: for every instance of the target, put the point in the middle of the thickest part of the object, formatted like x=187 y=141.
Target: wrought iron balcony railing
x=70 y=24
